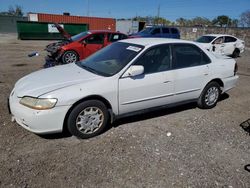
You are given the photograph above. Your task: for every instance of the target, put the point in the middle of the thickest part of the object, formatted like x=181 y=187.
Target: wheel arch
x=91 y=97
x=217 y=80
x=72 y=50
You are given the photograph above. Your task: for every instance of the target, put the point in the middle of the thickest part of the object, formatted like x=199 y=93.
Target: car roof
x=155 y=41
x=104 y=31
x=219 y=35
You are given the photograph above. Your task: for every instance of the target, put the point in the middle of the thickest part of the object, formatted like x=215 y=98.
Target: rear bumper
x=229 y=82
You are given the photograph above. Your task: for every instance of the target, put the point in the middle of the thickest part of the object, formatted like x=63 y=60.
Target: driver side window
x=156 y=31
x=155 y=60
x=219 y=40
x=95 y=39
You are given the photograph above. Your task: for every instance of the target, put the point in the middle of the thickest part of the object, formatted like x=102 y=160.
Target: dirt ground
x=206 y=148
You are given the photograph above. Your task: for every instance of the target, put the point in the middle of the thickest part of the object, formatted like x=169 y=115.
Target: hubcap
x=70 y=58
x=212 y=96
x=89 y=120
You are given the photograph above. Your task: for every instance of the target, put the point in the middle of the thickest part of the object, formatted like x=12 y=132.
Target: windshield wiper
x=90 y=69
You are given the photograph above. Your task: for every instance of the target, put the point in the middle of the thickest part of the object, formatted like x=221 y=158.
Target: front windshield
x=146 y=31
x=79 y=36
x=205 y=39
x=111 y=59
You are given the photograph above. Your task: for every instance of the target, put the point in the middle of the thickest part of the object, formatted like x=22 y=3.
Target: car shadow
x=246 y=126
x=54 y=136
x=161 y=111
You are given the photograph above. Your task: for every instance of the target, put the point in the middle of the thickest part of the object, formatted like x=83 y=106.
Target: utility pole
x=87 y=7
x=158 y=13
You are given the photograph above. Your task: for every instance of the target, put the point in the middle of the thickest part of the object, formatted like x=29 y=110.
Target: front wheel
x=88 y=119
x=70 y=57
x=209 y=96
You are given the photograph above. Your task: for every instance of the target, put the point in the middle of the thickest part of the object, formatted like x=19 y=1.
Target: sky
x=169 y=9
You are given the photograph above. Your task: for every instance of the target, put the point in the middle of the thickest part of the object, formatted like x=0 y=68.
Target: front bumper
x=37 y=121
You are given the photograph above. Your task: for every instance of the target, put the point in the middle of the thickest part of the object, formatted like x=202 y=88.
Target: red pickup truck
x=80 y=46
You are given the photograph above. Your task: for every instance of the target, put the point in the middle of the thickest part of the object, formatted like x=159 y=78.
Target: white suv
x=222 y=44
x=123 y=78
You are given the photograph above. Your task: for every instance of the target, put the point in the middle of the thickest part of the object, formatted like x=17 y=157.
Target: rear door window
x=188 y=55
x=230 y=39
x=113 y=37
x=165 y=30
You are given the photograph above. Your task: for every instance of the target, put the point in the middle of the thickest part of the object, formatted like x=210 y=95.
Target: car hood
x=51 y=79
x=64 y=33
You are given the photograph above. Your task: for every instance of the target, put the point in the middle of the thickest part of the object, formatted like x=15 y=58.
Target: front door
x=92 y=44
x=218 y=46
x=153 y=88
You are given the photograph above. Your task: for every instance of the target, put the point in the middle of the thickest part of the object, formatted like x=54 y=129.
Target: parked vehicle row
x=78 y=47
x=136 y=75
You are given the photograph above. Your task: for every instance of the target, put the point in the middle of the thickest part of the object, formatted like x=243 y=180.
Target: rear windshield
x=205 y=39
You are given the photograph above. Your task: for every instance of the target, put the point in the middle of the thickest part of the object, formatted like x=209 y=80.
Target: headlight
x=38 y=104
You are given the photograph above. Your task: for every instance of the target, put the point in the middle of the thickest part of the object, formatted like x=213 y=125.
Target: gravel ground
x=177 y=147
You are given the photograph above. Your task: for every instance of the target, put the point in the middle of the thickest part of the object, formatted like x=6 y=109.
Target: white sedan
x=124 y=78
x=222 y=44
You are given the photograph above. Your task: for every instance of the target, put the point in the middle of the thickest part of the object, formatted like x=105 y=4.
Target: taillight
x=235 y=69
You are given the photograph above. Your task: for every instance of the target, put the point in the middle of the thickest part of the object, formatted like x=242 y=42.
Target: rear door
x=190 y=69
x=229 y=45
x=93 y=43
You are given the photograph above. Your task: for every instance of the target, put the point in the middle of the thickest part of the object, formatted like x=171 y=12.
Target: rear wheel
x=70 y=57
x=88 y=119
x=209 y=96
x=236 y=53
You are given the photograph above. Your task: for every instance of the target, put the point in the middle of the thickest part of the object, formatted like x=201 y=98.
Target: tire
x=236 y=53
x=209 y=96
x=87 y=119
x=70 y=57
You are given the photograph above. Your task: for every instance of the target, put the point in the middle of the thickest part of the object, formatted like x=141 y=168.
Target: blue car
x=159 y=32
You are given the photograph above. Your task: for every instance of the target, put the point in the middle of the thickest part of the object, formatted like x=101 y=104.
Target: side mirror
x=134 y=70
x=213 y=48
x=84 y=43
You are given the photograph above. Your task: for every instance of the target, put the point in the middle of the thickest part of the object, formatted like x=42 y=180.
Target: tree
x=181 y=21
x=222 y=21
x=245 y=19
x=200 y=21
x=13 y=11
x=234 y=23
x=153 y=20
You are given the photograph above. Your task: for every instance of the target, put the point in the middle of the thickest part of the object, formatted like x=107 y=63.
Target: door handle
x=167 y=81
